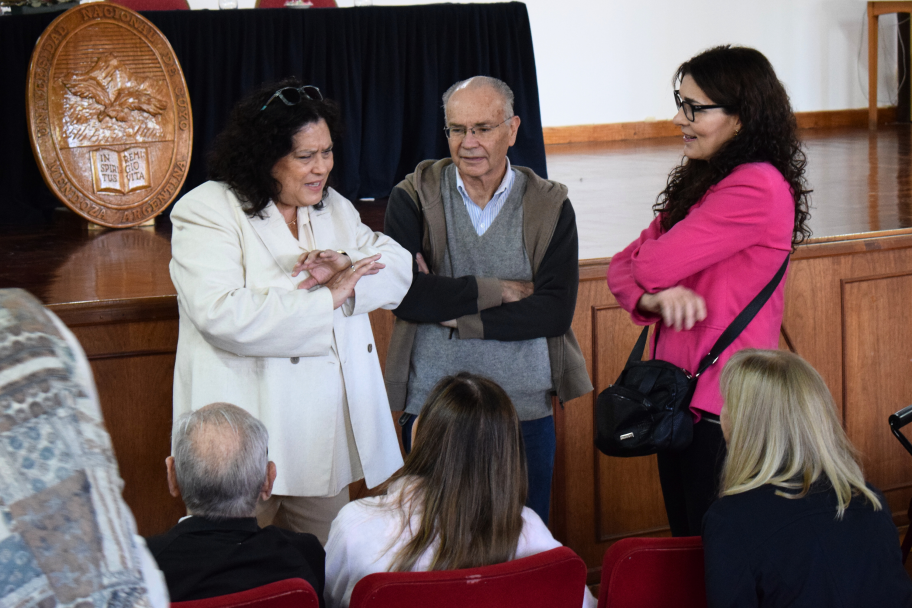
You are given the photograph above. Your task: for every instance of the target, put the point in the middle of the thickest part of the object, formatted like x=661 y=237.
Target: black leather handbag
x=647 y=410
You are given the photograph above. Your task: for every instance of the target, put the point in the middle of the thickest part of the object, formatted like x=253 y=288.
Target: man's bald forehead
x=496 y=85
x=474 y=82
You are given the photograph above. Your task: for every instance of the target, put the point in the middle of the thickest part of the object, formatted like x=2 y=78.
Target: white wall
x=607 y=61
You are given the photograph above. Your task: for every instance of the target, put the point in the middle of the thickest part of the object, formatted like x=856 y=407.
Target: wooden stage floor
x=862 y=183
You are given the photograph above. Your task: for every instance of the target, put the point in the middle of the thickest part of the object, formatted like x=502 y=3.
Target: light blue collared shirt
x=483 y=218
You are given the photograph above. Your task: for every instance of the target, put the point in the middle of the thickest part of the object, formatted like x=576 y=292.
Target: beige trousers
x=313 y=514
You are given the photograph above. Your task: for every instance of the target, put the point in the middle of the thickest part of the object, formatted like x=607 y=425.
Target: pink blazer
x=728 y=247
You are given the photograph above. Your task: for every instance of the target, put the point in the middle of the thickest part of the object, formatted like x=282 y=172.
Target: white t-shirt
x=367 y=535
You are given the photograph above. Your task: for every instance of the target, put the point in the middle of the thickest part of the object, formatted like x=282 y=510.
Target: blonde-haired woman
x=795 y=524
x=457 y=502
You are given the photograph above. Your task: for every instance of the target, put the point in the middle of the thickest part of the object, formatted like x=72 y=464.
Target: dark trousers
x=540 y=441
x=690 y=478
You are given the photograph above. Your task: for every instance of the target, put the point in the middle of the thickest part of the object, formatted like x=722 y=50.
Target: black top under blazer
x=767 y=550
x=204 y=558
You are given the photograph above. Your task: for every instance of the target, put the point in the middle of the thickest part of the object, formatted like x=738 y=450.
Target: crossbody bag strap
x=637 y=353
x=742 y=320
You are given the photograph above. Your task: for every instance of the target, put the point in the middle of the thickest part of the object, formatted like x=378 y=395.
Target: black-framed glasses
x=292 y=96
x=690 y=109
x=483 y=132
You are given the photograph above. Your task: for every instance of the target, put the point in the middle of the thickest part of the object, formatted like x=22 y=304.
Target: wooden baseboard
x=610 y=132
x=664 y=128
x=843 y=118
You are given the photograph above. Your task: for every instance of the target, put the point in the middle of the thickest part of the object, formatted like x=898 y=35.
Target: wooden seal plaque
x=109 y=116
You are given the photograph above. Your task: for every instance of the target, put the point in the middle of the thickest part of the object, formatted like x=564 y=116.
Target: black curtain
x=387 y=67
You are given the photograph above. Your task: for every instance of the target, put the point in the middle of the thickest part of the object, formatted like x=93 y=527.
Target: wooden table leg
x=872 y=68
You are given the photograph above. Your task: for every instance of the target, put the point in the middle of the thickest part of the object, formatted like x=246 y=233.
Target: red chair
x=154 y=5
x=553 y=579
x=290 y=593
x=653 y=573
x=281 y=3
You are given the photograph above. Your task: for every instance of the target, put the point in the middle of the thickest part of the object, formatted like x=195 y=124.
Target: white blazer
x=249 y=337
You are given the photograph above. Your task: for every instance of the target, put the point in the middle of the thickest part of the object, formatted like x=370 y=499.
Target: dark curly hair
x=245 y=152
x=743 y=80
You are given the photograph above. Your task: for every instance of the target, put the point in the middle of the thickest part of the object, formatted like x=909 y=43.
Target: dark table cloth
x=387 y=67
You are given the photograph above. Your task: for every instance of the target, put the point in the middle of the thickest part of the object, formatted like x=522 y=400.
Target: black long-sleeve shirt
x=432 y=298
x=767 y=550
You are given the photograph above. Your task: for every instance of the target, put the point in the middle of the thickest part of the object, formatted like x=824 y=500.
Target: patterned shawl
x=66 y=536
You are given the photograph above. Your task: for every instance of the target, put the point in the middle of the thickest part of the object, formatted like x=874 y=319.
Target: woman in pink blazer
x=728 y=217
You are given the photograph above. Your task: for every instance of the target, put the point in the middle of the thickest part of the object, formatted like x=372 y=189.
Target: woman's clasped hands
x=679 y=307
x=336 y=271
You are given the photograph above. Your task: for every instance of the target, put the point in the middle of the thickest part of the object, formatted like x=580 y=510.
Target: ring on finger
x=353 y=267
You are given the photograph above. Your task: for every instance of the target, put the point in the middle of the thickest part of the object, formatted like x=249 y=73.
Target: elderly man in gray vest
x=496 y=270
x=220 y=468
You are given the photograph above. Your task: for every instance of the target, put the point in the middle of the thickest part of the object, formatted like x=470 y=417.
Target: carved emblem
x=109 y=116
x=116 y=90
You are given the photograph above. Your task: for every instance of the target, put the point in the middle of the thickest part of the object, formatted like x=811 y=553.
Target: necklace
x=294 y=218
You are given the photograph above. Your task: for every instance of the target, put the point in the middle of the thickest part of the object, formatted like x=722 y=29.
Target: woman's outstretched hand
x=322 y=266
x=342 y=284
x=680 y=307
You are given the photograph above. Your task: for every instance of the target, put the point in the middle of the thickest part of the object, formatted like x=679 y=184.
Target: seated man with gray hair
x=220 y=467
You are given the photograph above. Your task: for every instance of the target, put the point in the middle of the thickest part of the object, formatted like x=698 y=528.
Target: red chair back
x=281 y=3
x=290 y=593
x=553 y=579
x=653 y=573
x=154 y=5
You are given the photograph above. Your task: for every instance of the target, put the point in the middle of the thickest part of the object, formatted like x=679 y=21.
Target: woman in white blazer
x=275 y=275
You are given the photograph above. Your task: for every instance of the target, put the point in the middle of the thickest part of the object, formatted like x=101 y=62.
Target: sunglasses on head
x=292 y=96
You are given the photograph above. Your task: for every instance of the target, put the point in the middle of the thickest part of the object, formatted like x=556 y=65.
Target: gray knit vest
x=522 y=368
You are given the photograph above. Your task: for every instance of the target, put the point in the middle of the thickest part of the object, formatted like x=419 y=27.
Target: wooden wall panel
x=142 y=438
x=629 y=498
x=813 y=307
x=133 y=364
x=382 y=326
x=877 y=357
x=574 y=489
x=813 y=298
x=599 y=499
x=120 y=339
x=847 y=312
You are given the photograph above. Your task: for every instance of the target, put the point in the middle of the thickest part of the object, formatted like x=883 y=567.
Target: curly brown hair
x=255 y=138
x=743 y=80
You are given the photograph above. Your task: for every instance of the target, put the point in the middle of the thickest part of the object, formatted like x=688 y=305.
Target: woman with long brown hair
x=457 y=502
x=725 y=223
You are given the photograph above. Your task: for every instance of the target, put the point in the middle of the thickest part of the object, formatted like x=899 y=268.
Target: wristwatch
x=348 y=256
